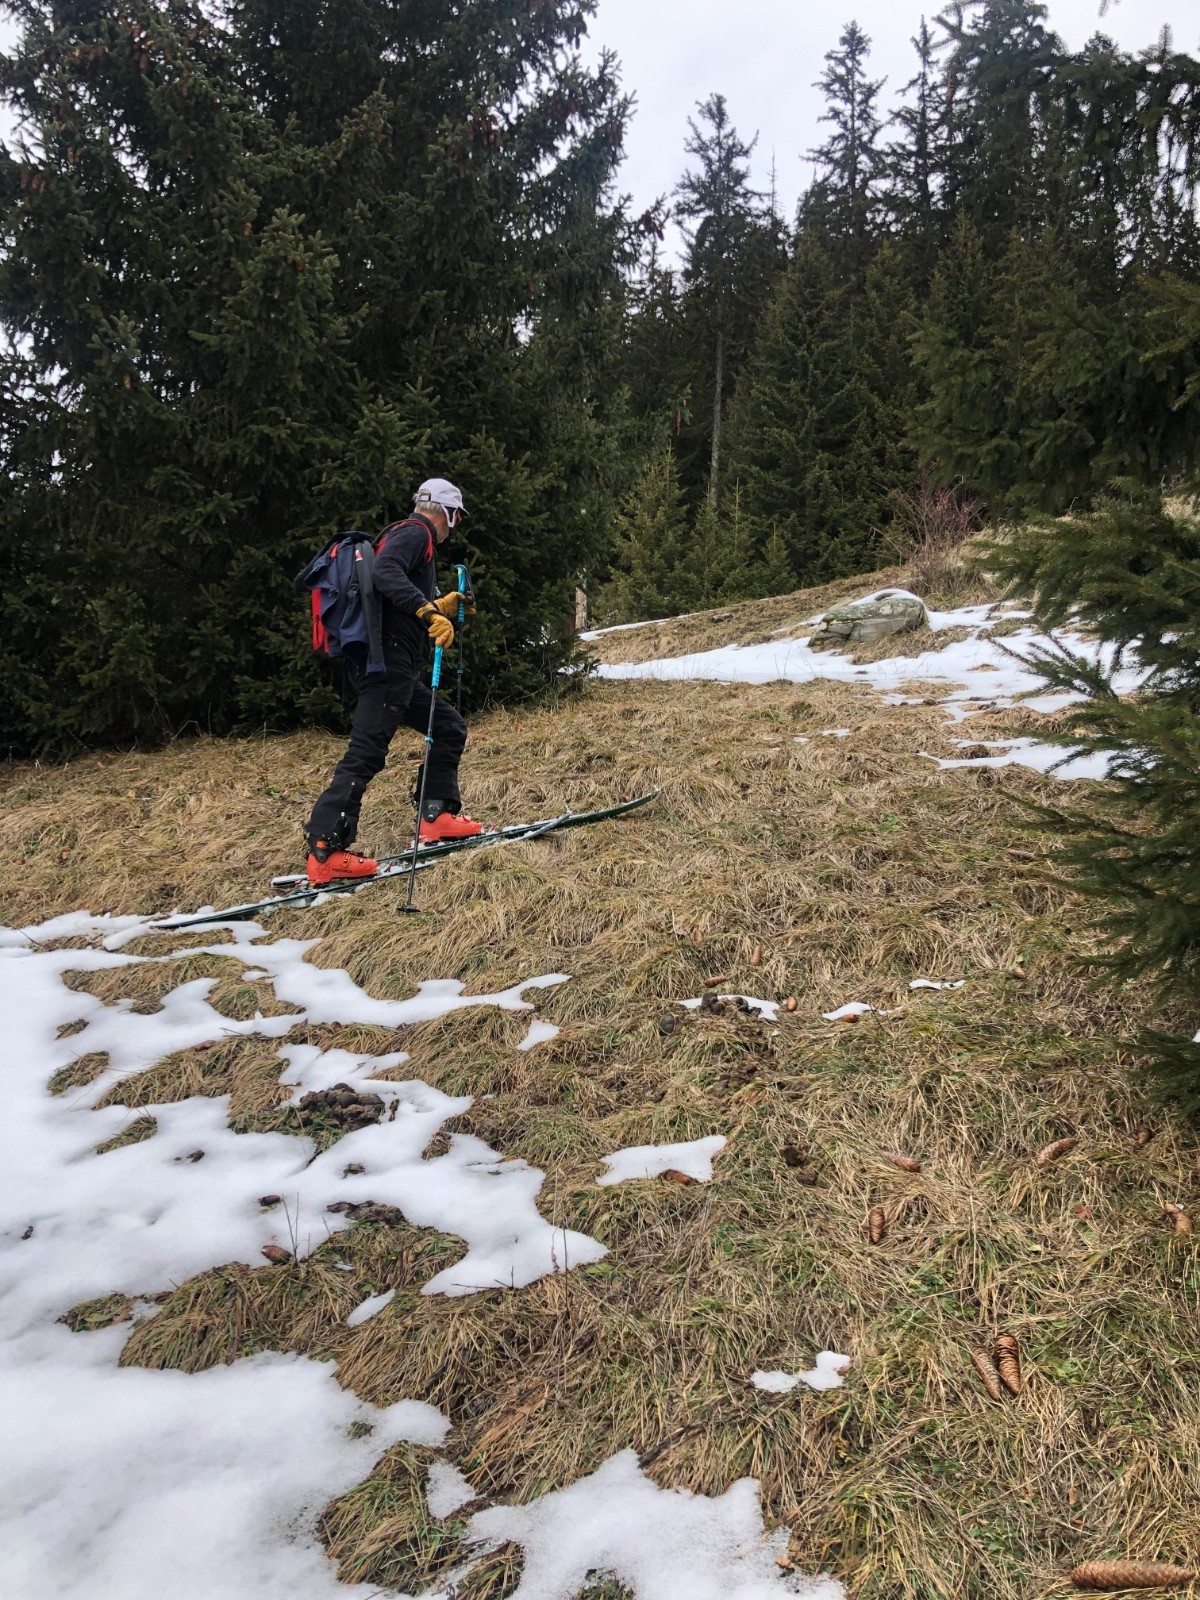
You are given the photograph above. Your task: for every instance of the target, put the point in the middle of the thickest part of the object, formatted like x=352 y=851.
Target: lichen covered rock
x=864 y=621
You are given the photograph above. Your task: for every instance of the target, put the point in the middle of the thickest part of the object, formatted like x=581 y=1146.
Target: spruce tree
x=916 y=164
x=734 y=254
x=820 y=422
x=841 y=206
x=261 y=277
x=1002 y=62
x=1130 y=574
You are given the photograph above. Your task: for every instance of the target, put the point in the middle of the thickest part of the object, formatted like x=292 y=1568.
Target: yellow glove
x=441 y=629
x=448 y=604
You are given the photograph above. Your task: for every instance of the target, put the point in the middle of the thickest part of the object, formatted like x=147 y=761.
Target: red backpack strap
x=320 y=634
x=404 y=523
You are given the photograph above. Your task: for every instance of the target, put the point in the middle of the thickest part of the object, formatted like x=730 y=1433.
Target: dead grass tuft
x=245 y=1068
x=99 y=1313
x=140 y=1128
x=855 y=867
x=78 y=1073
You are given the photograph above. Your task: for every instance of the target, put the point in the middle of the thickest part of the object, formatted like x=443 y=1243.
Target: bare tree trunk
x=581 y=609
x=715 y=465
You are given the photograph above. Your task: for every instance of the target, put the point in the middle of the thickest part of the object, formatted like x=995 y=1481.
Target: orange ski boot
x=438 y=824
x=327 y=865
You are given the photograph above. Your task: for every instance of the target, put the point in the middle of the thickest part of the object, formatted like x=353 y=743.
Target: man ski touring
x=405 y=579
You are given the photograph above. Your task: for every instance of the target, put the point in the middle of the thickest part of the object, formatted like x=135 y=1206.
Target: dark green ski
x=300 y=893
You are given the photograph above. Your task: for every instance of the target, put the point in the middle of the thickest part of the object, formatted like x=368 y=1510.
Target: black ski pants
x=382 y=705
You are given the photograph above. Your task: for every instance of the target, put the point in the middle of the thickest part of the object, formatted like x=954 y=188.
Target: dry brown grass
x=749 y=622
x=856 y=866
x=760 y=621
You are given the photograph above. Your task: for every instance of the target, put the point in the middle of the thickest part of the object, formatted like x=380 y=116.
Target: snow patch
x=122 y=1481
x=1059 y=760
x=976 y=670
x=539 y=1033
x=663 y=1544
x=928 y=983
x=370 y=1307
x=826 y=1374
x=852 y=1008
x=141 y=1218
x=446 y=1489
x=695 y=1158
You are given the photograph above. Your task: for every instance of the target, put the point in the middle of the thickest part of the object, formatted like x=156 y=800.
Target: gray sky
x=764 y=55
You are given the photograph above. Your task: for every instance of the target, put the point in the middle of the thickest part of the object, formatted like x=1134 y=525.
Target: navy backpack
x=346 y=609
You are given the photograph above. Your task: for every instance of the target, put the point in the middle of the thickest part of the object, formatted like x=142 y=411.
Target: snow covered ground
x=130 y=1484
x=978 y=669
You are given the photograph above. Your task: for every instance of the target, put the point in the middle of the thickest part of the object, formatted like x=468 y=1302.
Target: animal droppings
x=905 y=1163
x=877 y=1225
x=269 y=1199
x=667 y=1024
x=715 y=983
x=756 y=956
x=987 y=1374
x=1130 y=1575
x=790 y=1003
x=1142 y=1134
x=1006 y=1354
x=345 y=1107
x=1055 y=1150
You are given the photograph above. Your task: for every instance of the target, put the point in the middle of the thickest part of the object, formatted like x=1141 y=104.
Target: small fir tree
x=1130 y=574
x=653 y=572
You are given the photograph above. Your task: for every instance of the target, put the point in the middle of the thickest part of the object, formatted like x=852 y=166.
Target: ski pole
x=436 y=679
x=463 y=585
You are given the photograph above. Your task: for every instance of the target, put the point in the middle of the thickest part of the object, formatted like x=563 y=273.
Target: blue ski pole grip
x=437 y=667
x=463 y=585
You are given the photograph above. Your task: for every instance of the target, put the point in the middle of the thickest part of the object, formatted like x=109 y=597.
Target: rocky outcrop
x=864 y=621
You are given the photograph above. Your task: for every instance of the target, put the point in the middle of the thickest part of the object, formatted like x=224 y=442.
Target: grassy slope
x=856 y=866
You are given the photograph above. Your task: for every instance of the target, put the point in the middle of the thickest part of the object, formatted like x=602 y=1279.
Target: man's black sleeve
x=403 y=552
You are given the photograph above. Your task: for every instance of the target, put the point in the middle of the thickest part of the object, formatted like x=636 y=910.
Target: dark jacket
x=405 y=571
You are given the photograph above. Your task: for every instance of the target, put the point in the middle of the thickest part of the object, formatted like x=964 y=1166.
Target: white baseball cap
x=440 y=492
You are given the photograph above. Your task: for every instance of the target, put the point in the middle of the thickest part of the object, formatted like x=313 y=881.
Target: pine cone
x=1052 y=1152
x=877 y=1225
x=756 y=956
x=1142 y=1134
x=905 y=1163
x=1007 y=1356
x=1130 y=1575
x=276 y=1254
x=673 y=1175
x=790 y=1003
x=987 y=1375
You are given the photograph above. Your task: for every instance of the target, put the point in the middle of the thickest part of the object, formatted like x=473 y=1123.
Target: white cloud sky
x=764 y=56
